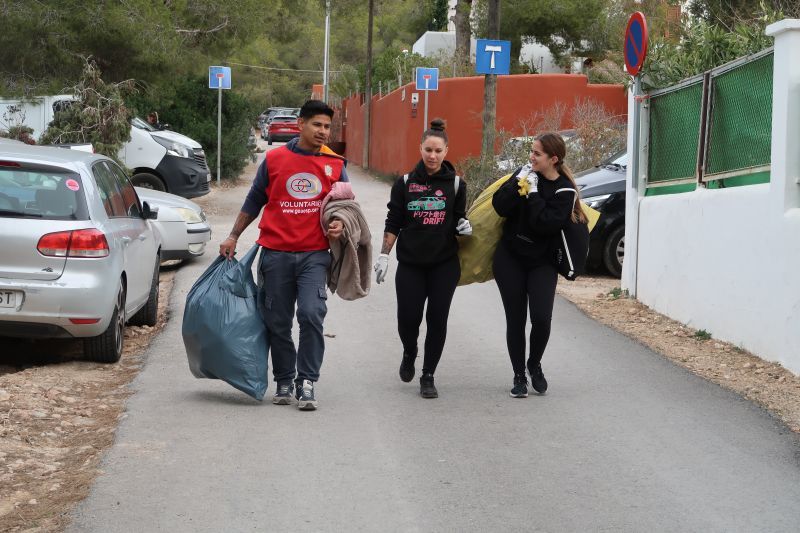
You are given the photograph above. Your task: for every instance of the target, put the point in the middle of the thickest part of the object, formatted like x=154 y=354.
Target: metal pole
x=219 y=129
x=327 y=48
x=425 y=124
x=637 y=108
x=637 y=145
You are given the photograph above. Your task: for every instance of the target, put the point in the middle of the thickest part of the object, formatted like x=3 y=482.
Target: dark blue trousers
x=287 y=279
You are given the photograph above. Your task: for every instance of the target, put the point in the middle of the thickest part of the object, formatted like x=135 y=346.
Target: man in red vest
x=290 y=185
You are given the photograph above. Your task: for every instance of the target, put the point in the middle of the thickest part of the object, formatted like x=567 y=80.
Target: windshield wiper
x=11 y=212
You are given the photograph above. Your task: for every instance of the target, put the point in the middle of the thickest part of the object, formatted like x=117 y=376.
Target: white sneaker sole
x=307 y=405
x=518 y=395
x=280 y=400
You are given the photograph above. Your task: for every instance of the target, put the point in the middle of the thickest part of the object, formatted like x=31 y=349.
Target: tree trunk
x=463 y=34
x=368 y=89
x=490 y=96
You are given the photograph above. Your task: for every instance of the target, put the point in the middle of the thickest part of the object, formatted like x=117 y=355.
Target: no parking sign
x=635 y=43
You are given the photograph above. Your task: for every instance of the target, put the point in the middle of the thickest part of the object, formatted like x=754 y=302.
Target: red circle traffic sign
x=635 y=47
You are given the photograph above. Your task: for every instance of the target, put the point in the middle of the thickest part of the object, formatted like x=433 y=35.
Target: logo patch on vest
x=304 y=185
x=328 y=170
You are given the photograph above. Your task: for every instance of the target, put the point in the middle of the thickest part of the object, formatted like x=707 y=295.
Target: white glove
x=381 y=268
x=524 y=171
x=533 y=183
x=463 y=227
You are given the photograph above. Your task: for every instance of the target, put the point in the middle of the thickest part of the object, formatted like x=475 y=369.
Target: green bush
x=190 y=108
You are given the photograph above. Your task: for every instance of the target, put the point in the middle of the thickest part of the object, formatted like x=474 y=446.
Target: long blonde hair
x=554 y=146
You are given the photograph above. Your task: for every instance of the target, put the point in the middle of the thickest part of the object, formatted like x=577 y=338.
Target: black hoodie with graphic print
x=423 y=213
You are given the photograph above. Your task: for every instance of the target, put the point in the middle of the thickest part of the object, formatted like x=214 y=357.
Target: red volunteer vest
x=297 y=184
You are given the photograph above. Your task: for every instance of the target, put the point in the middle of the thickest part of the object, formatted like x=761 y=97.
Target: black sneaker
x=407 y=367
x=283 y=396
x=426 y=387
x=305 y=396
x=520 y=389
x=537 y=378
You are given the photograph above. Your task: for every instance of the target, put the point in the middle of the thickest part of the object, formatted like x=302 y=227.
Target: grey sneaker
x=305 y=396
x=283 y=395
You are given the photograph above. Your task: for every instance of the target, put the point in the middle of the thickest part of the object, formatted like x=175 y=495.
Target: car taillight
x=9 y=164
x=55 y=244
x=89 y=243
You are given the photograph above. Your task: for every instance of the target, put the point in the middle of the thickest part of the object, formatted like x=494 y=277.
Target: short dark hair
x=315 y=107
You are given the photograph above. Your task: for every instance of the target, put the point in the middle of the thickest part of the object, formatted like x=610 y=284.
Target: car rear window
x=28 y=193
x=284 y=119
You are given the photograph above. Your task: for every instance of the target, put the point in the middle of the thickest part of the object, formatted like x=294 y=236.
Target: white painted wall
x=728 y=260
x=433 y=43
x=723 y=261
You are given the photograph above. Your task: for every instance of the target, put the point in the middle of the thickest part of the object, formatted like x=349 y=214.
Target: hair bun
x=438 y=124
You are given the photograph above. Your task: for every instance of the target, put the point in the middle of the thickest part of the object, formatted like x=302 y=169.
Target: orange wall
x=395 y=136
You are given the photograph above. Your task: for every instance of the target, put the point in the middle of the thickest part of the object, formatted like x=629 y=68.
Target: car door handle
x=142 y=237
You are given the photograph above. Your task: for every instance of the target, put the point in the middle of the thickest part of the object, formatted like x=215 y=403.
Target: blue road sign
x=219 y=77
x=492 y=57
x=427 y=79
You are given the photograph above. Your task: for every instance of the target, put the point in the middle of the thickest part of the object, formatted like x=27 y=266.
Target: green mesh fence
x=740 y=134
x=674 y=131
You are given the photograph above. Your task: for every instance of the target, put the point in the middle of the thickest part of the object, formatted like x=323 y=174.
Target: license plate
x=8 y=298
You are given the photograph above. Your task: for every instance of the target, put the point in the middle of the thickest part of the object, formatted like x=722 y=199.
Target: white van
x=159 y=159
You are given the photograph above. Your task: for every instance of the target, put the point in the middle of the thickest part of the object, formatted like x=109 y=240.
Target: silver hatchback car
x=78 y=256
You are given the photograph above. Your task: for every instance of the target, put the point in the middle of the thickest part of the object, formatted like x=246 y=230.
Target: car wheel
x=269 y=139
x=148 y=315
x=148 y=181
x=107 y=347
x=614 y=251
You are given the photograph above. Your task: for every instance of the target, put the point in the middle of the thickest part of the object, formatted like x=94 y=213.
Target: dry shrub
x=598 y=135
x=477 y=180
x=550 y=119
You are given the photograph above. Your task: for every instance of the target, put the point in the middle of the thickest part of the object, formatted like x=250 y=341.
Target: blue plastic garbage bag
x=224 y=335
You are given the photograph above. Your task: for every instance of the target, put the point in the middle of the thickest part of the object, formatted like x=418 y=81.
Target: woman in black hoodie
x=427 y=209
x=537 y=202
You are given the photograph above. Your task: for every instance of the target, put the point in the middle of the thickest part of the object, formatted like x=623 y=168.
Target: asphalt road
x=623 y=440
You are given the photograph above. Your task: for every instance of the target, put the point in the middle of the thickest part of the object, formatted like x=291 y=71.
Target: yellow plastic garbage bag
x=476 y=251
x=591 y=215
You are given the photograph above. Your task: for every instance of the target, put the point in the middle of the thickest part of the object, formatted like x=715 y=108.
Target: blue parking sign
x=427 y=79
x=492 y=57
x=219 y=77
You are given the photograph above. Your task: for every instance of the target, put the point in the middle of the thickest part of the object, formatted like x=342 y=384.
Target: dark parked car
x=603 y=188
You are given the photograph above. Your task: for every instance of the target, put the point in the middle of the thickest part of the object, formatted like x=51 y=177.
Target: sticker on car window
x=73 y=185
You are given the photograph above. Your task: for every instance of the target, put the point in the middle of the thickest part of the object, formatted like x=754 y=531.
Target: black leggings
x=415 y=284
x=521 y=288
